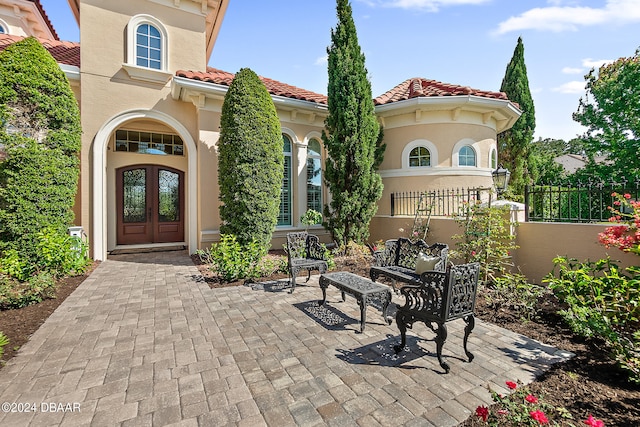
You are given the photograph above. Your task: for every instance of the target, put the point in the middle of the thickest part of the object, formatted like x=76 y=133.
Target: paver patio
x=144 y=341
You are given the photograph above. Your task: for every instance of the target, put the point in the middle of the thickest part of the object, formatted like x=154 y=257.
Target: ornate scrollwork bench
x=397 y=261
x=440 y=298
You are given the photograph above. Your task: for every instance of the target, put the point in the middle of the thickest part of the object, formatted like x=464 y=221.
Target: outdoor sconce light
x=501 y=179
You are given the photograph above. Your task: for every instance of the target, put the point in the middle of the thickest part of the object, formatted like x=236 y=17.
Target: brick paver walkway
x=144 y=342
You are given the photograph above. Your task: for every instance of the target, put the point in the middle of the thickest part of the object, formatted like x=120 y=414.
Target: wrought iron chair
x=304 y=252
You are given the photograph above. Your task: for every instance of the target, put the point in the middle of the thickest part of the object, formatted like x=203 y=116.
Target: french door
x=150 y=204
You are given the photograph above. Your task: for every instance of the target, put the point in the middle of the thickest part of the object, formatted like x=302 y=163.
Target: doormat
x=147 y=250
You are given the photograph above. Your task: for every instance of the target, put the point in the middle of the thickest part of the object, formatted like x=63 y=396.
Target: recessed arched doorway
x=149 y=204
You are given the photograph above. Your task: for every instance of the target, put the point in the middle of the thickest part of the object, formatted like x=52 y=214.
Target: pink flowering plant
x=521 y=408
x=625 y=235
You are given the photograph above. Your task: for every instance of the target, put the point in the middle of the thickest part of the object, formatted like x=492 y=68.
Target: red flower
x=503 y=411
x=531 y=399
x=593 y=422
x=482 y=412
x=511 y=385
x=539 y=416
x=627 y=196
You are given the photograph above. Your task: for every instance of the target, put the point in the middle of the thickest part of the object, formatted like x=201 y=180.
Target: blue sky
x=466 y=42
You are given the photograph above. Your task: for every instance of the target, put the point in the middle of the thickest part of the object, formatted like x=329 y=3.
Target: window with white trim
x=2 y=29
x=284 y=216
x=493 y=161
x=314 y=175
x=419 y=156
x=147 y=43
x=467 y=156
x=148 y=47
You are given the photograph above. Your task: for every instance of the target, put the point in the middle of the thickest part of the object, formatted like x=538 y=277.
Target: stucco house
x=151 y=106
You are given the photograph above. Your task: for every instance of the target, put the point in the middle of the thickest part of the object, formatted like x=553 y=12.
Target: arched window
x=148 y=47
x=314 y=176
x=419 y=156
x=2 y=30
x=466 y=156
x=146 y=44
x=284 y=217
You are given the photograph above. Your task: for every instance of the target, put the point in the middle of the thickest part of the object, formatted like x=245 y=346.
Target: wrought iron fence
x=444 y=202
x=580 y=203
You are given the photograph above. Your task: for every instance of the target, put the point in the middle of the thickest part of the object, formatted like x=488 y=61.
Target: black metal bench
x=397 y=261
x=440 y=298
x=304 y=252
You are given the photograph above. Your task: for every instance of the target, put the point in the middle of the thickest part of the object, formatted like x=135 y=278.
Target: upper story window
x=467 y=156
x=2 y=30
x=147 y=52
x=419 y=156
x=148 y=47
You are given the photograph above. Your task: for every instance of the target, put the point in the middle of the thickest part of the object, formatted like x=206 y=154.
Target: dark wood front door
x=150 y=204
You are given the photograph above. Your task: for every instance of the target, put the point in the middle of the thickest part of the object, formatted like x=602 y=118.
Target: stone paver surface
x=145 y=342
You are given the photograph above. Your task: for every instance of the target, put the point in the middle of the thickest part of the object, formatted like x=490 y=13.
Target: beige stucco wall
x=539 y=243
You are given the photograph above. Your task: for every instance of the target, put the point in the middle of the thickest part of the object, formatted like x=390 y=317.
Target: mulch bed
x=586 y=384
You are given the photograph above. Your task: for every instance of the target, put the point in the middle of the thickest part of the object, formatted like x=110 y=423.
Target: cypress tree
x=352 y=136
x=41 y=135
x=514 y=144
x=251 y=161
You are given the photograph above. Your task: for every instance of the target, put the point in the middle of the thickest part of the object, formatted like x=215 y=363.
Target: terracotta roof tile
x=213 y=75
x=419 y=87
x=63 y=52
x=46 y=18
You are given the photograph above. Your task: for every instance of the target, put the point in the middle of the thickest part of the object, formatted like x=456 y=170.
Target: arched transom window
x=467 y=156
x=419 y=156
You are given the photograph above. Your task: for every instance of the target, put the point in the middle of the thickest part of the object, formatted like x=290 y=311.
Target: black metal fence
x=581 y=203
x=446 y=202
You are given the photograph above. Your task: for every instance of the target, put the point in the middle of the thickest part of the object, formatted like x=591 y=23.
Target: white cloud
x=569 y=18
x=571 y=87
x=572 y=70
x=427 y=5
x=322 y=60
x=595 y=63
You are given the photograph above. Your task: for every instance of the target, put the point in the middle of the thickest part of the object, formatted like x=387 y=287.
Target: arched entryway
x=105 y=223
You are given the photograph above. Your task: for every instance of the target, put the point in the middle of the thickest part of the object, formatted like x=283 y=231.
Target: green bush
x=232 y=260
x=514 y=292
x=251 y=162
x=16 y=294
x=3 y=341
x=41 y=135
x=604 y=302
x=486 y=238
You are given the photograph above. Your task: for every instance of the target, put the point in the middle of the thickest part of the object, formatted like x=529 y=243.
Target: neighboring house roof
x=63 y=52
x=213 y=75
x=572 y=162
x=420 y=87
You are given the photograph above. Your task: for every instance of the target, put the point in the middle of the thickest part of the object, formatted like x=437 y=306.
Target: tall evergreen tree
x=41 y=135
x=514 y=144
x=251 y=161
x=352 y=138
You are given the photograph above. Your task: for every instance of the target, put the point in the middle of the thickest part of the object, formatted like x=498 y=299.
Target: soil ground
x=586 y=384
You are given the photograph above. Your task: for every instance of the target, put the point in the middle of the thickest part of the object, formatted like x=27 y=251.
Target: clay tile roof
x=63 y=52
x=46 y=18
x=419 y=87
x=213 y=75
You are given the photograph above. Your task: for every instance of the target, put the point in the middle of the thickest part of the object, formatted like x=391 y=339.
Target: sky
x=464 y=42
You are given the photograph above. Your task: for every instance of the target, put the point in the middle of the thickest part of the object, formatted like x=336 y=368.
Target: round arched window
x=419 y=156
x=467 y=156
